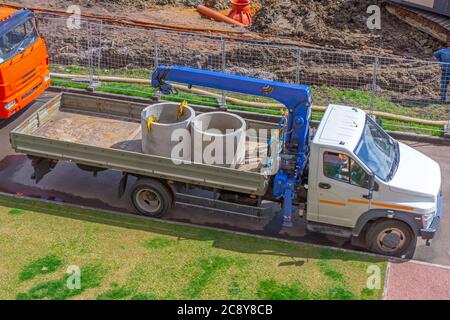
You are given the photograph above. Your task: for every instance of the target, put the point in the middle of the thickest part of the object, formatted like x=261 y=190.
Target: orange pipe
x=210 y=13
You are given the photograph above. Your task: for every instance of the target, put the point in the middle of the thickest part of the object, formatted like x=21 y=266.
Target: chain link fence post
x=376 y=65
x=93 y=83
x=100 y=47
x=298 y=66
x=95 y=52
x=157 y=95
x=447 y=126
x=223 y=102
x=155 y=47
x=90 y=55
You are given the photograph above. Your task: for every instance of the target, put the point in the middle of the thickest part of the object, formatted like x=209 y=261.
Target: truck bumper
x=429 y=233
x=24 y=97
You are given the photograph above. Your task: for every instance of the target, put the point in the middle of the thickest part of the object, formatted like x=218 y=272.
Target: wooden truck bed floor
x=118 y=133
x=92 y=130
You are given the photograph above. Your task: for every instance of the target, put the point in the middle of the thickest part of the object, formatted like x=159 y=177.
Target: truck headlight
x=10 y=105
x=427 y=219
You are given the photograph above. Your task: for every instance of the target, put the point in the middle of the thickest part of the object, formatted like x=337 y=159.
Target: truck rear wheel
x=391 y=238
x=151 y=198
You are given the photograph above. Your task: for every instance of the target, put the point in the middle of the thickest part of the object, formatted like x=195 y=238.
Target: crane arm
x=289 y=95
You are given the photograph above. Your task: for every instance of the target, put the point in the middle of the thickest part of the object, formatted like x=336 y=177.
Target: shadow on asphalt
x=6 y=122
x=9 y=160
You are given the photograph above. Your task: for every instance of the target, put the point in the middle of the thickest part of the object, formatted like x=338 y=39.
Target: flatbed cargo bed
x=106 y=133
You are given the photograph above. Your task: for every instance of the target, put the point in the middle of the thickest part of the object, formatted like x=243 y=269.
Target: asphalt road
x=69 y=184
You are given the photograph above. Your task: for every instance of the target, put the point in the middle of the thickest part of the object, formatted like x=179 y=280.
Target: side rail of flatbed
x=24 y=140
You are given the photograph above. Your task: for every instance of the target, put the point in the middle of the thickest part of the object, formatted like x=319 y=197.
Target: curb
x=386 y=281
x=429 y=264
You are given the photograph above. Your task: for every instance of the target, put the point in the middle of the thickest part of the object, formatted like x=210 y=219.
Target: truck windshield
x=17 y=40
x=378 y=151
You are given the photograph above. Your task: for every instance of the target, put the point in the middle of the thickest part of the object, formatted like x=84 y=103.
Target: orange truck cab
x=24 y=62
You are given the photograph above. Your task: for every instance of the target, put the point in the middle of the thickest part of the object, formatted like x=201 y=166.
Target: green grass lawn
x=382 y=102
x=133 y=258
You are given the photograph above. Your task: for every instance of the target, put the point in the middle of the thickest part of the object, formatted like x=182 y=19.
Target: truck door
x=342 y=189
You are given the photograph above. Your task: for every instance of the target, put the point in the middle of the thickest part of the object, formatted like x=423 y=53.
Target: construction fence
x=376 y=83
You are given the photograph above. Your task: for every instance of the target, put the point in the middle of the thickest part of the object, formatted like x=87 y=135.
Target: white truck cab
x=366 y=183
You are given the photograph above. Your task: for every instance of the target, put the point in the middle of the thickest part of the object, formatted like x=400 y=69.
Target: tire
x=151 y=198
x=391 y=238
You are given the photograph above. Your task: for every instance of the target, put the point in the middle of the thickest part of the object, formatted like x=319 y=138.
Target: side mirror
x=372 y=186
x=371 y=183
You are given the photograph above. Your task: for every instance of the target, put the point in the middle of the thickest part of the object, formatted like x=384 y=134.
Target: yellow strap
x=149 y=123
x=181 y=108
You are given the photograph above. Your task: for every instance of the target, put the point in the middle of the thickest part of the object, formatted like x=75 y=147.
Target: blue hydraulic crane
x=296 y=98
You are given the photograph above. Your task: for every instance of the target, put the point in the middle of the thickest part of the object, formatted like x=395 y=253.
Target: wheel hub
x=149 y=200
x=391 y=239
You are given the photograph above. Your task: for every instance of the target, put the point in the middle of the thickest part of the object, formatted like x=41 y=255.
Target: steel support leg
x=287 y=204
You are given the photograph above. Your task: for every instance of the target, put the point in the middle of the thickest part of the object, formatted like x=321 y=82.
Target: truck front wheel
x=151 y=198
x=391 y=238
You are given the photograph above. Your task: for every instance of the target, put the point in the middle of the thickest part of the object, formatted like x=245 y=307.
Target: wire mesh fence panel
x=410 y=88
x=124 y=53
x=189 y=51
x=69 y=46
x=409 y=82
x=337 y=77
x=193 y=51
x=261 y=61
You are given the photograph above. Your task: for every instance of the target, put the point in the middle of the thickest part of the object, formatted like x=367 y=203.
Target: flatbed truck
x=358 y=182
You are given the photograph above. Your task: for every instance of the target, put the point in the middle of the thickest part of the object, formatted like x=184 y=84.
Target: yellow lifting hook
x=149 y=123
x=181 y=109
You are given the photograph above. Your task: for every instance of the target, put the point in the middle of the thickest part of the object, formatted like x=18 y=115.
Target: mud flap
x=41 y=167
x=123 y=184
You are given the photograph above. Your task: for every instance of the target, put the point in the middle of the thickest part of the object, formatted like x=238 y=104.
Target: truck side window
x=340 y=167
x=358 y=176
x=336 y=166
x=31 y=31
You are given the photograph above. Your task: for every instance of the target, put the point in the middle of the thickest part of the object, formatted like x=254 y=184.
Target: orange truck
x=24 y=61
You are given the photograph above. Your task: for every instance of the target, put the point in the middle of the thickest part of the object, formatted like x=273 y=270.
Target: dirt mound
x=331 y=23
x=341 y=24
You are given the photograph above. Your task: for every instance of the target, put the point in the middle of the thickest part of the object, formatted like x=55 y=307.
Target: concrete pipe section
x=159 y=121
x=218 y=138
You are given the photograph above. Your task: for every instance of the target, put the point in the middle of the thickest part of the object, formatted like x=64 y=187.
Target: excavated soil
x=337 y=24
x=342 y=24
